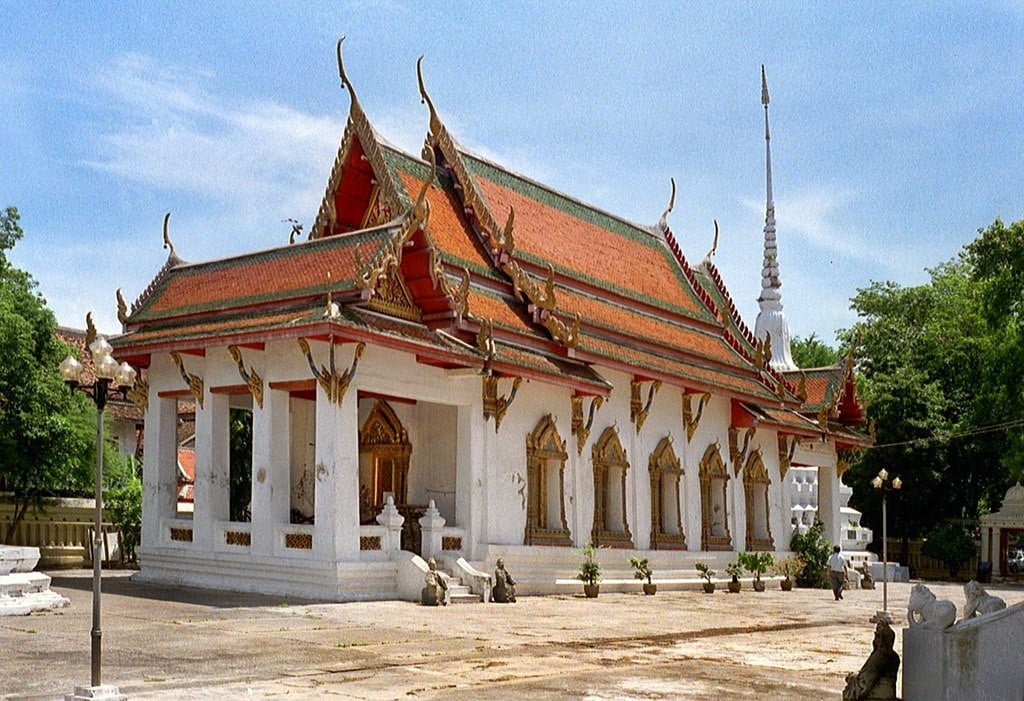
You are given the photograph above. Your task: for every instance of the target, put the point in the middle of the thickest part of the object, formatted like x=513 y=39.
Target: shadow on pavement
x=121 y=584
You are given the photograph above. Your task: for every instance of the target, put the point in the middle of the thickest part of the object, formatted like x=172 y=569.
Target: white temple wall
x=432 y=468
x=506 y=457
x=160 y=457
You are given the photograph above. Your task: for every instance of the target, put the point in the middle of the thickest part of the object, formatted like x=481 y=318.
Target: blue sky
x=896 y=127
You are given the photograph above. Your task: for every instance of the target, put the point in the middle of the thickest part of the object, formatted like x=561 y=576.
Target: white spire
x=771 y=319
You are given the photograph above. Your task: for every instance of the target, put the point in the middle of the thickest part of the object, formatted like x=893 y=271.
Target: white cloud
x=258 y=158
x=822 y=218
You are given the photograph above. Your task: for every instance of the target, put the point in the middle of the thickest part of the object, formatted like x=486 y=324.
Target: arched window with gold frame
x=714 y=509
x=384 y=451
x=755 y=486
x=545 y=492
x=666 y=519
x=611 y=527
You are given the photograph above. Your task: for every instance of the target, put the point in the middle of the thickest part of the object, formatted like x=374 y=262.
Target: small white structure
x=23 y=591
x=1002 y=534
x=978 y=658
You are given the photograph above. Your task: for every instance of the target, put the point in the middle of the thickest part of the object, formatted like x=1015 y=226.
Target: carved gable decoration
x=391 y=296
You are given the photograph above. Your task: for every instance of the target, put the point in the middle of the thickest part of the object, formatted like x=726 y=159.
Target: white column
x=160 y=468
x=212 y=488
x=784 y=532
x=271 y=482
x=829 y=502
x=470 y=481
x=336 y=507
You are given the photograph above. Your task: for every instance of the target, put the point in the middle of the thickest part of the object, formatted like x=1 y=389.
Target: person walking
x=837 y=572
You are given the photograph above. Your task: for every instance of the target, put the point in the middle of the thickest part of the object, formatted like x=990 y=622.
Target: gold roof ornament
x=122 y=307
x=173 y=255
x=714 y=245
x=346 y=84
x=436 y=126
x=90 y=330
x=663 y=221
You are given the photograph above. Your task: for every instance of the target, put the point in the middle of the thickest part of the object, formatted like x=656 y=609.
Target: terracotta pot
x=709 y=587
x=591 y=590
x=650 y=589
x=758 y=585
x=786 y=584
x=734 y=587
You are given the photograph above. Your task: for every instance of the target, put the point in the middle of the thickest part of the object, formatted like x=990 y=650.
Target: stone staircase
x=459 y=593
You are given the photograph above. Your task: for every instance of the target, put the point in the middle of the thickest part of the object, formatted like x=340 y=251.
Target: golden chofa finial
x=764 y=88
x=435 y=121
x=714 y=245
x=663 y=222
x=346 y=84
x=173 y=256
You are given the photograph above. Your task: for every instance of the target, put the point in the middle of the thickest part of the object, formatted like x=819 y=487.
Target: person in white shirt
x=837 y=572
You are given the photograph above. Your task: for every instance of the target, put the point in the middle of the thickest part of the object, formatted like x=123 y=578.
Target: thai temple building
x=463 y=363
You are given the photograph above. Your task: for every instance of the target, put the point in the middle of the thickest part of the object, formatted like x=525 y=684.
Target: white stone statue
x=979 y=602
x=926 y=611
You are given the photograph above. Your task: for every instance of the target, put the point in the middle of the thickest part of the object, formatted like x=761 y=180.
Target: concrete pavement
x=176 y=643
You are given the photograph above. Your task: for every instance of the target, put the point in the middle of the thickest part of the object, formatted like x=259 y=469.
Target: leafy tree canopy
x=812 y=352
x=939 y=365
x=45 y=434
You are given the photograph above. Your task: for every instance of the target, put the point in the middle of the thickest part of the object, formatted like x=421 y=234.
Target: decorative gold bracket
x=691 y=420
x=801 y=389
x=638 y=409
x=334 y=384
x=786 y=449
x=736 y=454
x=194 y=382
x=495 y=405
x=250 y=377
x=580 y=429
x=844 y=458
x=139 y=393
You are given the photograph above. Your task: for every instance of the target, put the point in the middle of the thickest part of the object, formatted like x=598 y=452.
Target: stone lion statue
x=925 y=610
x=979 y=601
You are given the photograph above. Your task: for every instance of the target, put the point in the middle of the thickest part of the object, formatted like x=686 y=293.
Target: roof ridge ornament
x=436 y=126
x=122 y=307
x=663 y=221
x=714 y=246
x=346 y=84
x=172 y=257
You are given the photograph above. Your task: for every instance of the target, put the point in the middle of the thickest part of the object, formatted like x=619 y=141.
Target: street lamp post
x=123 y=376
x=882 y=482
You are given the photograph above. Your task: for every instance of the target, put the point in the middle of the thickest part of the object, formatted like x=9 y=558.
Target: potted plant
x=734 y=570
x=706 y=574
x=590 y=571
x=787 y=567
x=756 y=563
x=642 y=570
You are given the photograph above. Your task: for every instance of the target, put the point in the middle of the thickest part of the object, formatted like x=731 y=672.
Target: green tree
x=812 y=548
x=45 y=435
x=951 y=544
x=812 y=352
x=926 y=357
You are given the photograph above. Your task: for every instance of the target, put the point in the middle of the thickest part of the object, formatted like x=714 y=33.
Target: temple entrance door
x=384 y=451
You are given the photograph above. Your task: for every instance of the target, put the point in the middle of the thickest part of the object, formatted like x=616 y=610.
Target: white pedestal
x=106 y=692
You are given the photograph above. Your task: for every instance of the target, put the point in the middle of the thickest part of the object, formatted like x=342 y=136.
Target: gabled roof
x=426 y=254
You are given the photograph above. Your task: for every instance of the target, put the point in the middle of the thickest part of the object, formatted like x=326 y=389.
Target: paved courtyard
x=166 y=643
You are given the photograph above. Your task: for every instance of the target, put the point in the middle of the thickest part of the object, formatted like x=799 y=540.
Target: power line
x=977 y=431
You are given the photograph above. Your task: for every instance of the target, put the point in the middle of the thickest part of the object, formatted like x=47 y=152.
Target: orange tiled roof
x=264 y=277
x=581 y=241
